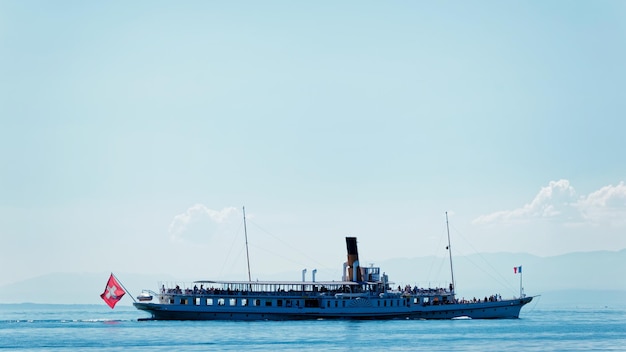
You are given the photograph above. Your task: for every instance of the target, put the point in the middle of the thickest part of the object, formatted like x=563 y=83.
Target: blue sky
x=131 y=133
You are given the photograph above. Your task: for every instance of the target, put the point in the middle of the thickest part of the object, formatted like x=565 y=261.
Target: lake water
x=35 y=327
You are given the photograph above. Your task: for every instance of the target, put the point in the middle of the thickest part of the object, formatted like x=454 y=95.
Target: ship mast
x=245 y=231
x=450 y=253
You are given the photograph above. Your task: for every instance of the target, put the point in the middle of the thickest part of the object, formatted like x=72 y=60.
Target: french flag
x=517 y=269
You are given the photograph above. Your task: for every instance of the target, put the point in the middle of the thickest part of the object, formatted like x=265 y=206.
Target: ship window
x=279 y=302
x=311 y=303
x=196 y=301
x=209 y=301
x=256 y=302
x=183 y=301
x=336 y=304
x=328 y=304
x=220 y=301
x=384 y=303
x=379 y=303
x=171 y=301
x=233 y=302
x=343 y=303
x=416 y=300
x=244 y=302
x=268 y=303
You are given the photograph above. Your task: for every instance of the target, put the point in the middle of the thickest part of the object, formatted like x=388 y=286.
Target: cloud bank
x=199 y=222
x=559 y=200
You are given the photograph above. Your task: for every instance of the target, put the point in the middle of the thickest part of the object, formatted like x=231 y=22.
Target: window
x=311 y=303
x=196 y=301
x=209 y=301
x=232 y=302
x=268 y=303
x=183 y=301
x=220 y=301
x=244 y=302
x=279 y=303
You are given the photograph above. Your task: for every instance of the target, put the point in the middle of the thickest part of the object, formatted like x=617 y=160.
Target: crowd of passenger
x=406 y=290
x=188 y=291
x=492 y=298
x=217 y=291
x=424 y=291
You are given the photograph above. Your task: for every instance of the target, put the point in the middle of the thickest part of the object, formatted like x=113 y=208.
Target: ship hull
x=507 y=309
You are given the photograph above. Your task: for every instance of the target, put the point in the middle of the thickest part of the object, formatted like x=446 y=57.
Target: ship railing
x=225 y=293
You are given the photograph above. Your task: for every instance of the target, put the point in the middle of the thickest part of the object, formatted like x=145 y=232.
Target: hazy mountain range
x=588 y=278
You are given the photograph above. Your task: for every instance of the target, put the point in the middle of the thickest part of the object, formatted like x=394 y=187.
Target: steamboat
x=363 y=293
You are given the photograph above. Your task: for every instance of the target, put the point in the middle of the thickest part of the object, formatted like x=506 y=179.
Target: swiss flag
x=113 y=292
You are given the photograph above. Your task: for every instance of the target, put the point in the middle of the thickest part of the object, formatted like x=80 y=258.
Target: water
x=28 y=327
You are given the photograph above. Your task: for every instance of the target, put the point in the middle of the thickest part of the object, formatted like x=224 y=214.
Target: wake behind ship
x=363 y=293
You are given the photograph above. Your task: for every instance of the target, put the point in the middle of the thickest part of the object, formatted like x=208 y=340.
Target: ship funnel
x=303 y=275
x=354 y=272
x=313 y=273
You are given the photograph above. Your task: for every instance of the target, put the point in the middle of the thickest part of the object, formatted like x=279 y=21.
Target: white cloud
x=558 y=201
x=199 y=221
x=606 y=205
x=554 y=200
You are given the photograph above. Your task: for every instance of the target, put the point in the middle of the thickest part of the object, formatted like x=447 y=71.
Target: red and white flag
x=113 y=292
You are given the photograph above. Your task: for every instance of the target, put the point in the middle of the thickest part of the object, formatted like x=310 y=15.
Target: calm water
x=97 y=327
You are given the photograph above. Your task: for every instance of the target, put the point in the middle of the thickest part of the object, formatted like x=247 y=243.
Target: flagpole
x=521 y=288
x=125 y=289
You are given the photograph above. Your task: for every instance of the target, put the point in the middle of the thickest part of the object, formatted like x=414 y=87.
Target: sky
x=132 y=134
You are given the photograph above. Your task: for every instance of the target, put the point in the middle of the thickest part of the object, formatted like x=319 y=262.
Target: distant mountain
x=599 y=269
x=73 y=288
x=576 y=278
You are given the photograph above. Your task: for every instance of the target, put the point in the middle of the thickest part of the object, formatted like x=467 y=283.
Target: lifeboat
x=144 y=296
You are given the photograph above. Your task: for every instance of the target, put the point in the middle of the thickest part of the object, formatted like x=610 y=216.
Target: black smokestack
x=353 y=258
